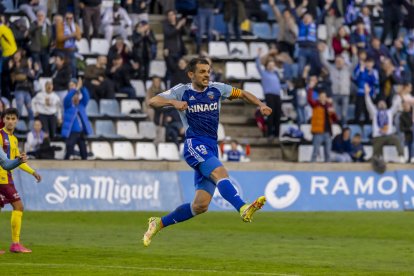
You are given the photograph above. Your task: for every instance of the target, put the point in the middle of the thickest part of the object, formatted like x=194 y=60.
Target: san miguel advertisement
x=127 y=190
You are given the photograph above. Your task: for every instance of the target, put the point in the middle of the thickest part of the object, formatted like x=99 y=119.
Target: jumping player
x=199 y=106
x=8 y=191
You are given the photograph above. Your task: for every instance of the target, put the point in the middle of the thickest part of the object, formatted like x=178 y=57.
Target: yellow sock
x=16 y=225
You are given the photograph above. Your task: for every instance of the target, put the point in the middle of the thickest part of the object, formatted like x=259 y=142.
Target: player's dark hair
x=10 y=111
x=192 y=65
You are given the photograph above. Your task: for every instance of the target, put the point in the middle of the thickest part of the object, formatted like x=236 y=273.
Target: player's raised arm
x=252 y=99
x=160 y=101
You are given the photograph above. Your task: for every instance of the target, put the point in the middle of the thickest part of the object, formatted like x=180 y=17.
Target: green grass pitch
x=109 y=243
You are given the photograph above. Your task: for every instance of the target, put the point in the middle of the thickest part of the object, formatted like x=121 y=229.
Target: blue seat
x=367 y=133
x=109 y=107
x=268 y=9
x=351 y=111
x=92 y=108
x=275 y=30
x=22 y=126
x=262 y=30
x=219 y=24
x=105 y=128
x=378 y=31
x=355 y=129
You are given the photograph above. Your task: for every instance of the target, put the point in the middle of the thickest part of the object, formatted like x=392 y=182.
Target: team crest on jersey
x=210 y=95
x=6 y=142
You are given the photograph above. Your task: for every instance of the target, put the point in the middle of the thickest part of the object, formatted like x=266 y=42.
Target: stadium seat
x=262 y=30
x=322 y=32
x=305 y=153
x=252 y=72
x=336 y=129
x=99 y=46
x=221 y=134
x=127 y=129
x=275 y=30
x=145 y=151
x=10 y=7
x=105 y=128
x=102 y=150
x=139 y=87
x=378 y=30
x=24 y=109
x=351 y=112
x=92 y=108
x=59 y=154
x=269 y=11
x=307 y=134
x=238 y=50
x=391 y=155
x=107 y=4
x=157 y=68
x=21 y=126
x=83 y=46
x=90 y=61
x=235 y=70
x=368 y=152
x=147 y=130
x=255 y=88
x=168 y=151
x=218 y=49
x=109 y=107
x=355 y=129
x=367 y=133
x=254 y=47
x=123 y=150
x=130 y=105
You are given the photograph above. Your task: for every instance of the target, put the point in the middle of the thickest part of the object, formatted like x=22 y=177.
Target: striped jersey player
x=198 y=104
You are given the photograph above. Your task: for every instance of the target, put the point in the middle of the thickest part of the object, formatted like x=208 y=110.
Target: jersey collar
x=192 y=88
x=5 y=130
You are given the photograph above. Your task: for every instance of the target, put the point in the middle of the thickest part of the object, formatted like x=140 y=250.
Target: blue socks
x=229 y=193
x=180 y=214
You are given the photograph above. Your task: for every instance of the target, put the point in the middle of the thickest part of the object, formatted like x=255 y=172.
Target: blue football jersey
x=202 y=116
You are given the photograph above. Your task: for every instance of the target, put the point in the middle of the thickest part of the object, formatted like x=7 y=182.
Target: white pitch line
x=149 y=268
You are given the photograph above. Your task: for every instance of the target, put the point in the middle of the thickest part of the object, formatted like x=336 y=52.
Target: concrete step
x=265 y=153
x=238 y=131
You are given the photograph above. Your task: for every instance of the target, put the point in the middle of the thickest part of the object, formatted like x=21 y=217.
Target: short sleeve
x=174 y=93
x=227 y=91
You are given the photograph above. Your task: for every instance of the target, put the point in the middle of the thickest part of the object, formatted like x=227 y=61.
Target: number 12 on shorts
x=202 y=149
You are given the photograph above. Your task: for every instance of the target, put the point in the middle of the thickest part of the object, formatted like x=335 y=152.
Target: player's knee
x=219 y=173
x=199 y=208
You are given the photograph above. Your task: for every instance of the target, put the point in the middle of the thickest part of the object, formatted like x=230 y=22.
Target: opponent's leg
x=229 y=193
x=182 y=213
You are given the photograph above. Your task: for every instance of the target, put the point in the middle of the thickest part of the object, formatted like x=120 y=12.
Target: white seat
x=322 y=32
x=139 y=88
x=157 y=68
x=90 y=61
x=99 y=46
x=59 y=154
x=307 y=134
x=127 y=129
x=102 y=150
x=391 y=155
x=83 y=46
x=147 y=130
x=145 y=151
x=168 y=151
x=235 y=70
x=123 y=150
x=130 y=104
x=254 y=46
x=255 y=88
x=336 y=129
x=368 y=152
x=218 y=49
x=221 y=135
x=252 y=72
x=305 y=153
x=238 y=49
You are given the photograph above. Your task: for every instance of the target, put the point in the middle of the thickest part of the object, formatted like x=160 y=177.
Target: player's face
x=201 y=76
x=10 y=122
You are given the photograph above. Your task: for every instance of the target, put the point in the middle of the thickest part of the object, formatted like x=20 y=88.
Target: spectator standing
x=389 y=77
x=61 y=77
x=91 y=16
x=30 y=8
x=47 y=107
x=144 y=48
x=359 y=38
x=364 y=74
x=72 y=6
x=288 y=29
x=76 y=124
x=234 y=14
x=342 y=147
x=378 y=52
x=115 y=22
x=119 y=74
x=392 y=18
x=341 y=42
x=153 y=90
x=119 y=48
x=382 y=124
x=340 y=75
x=271 y=88
x=323 y=116
x=179 y=72
x=406 y=127
x=205 y=20
x=138 y=10
x=9 y=48
x=41 y=38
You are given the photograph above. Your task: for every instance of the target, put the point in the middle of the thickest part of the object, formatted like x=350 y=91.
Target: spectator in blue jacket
x=364 y=73
x=76 y=124
x=342 y=147
x=357 y=150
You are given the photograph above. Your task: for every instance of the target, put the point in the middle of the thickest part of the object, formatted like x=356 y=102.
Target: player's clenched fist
x=265 y=110
x=180 y=105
